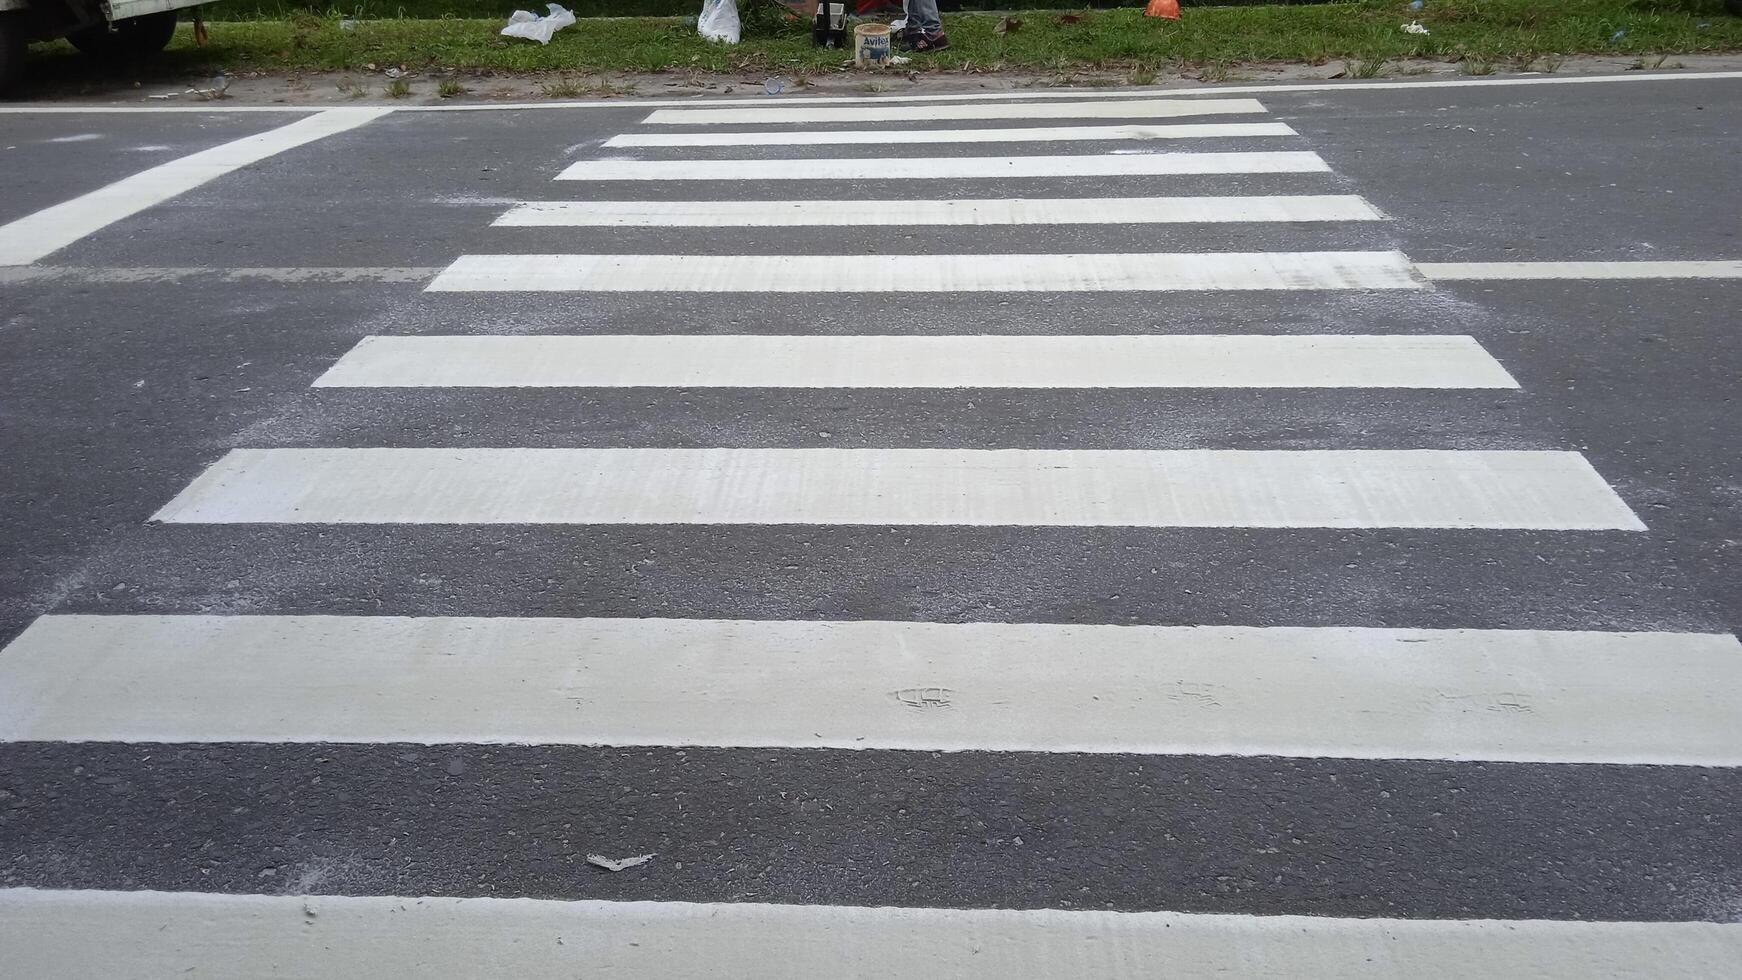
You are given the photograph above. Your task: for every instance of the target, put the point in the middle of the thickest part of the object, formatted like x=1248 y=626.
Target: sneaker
x=909 y=37
x=930 y=42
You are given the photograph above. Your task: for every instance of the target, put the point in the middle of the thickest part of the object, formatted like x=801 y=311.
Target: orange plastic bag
x=1162 y=8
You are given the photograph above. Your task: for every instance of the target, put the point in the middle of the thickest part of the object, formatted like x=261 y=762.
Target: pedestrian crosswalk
x=1117 y=726
x=978 y=361
x=151 y=936
x=909 y=137
x=906 y=213
x=1043 y=273
x=799 y=115
x=1419 y=488
x=1491 y=695
x=954 y=167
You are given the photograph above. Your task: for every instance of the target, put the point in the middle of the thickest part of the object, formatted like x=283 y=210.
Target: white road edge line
x=1462 y=271
x=898 y=137
x=1090 y=272
x=145 y=935
x=960 y=211
x=1025 y=96
x=36 y=236
x=977 y=361
x=1532 y=696
x=1412 y=488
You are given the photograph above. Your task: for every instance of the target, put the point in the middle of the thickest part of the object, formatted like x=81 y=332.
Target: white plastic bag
x=719 y=21
x=524 y=23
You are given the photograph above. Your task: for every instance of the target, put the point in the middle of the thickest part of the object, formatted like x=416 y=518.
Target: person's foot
x=929 y=42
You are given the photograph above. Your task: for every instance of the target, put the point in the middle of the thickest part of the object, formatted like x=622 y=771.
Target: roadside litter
x=1414 y=27
x=618 y=864
x=719 y=21
x=871 y=45
x=526 y=24
x=217 y=88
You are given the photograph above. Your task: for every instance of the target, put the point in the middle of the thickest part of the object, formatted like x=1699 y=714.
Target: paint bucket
x=871 y=44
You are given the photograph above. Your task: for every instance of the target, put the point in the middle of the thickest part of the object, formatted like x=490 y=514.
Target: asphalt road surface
x=1108 y=534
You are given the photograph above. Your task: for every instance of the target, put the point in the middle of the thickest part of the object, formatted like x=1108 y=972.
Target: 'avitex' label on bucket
x=871 y=44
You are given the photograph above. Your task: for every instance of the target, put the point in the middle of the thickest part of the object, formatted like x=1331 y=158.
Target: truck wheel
x=12 y=44
x=135 y=37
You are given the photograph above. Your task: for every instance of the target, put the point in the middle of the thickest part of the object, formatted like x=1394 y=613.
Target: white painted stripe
x=36 y=236
x=110 y=109
x=1150 y=92
x=1729 y=269
x=142 y=935
x=683 y=361
x=1100 y=272
x=1468 y=695
x=1177 y=488
x=907 y=213
x=952 y=168
x=899 y=137
x=121 y=275
x=798 y=112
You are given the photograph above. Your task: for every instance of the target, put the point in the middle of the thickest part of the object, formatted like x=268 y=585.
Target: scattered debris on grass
x=528 y=25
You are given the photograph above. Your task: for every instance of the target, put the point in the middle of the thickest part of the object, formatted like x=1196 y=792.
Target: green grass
x=485 y=9
x=1211 y=42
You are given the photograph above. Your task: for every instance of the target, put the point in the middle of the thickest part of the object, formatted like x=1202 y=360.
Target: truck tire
x=126 y=40
x=12 y=45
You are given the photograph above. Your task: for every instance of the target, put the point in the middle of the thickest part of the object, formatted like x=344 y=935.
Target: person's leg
x=923 y=19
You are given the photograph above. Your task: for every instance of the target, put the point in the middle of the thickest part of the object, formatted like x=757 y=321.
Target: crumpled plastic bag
x=524 y=23
x=719 y=21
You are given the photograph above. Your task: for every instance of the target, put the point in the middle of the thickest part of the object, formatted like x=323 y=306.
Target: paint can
x=871 y=44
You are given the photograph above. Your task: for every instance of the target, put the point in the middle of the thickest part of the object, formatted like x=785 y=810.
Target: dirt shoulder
x=342 y=87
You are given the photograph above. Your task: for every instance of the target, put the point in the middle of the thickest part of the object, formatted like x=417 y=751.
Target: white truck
x=107 y=30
